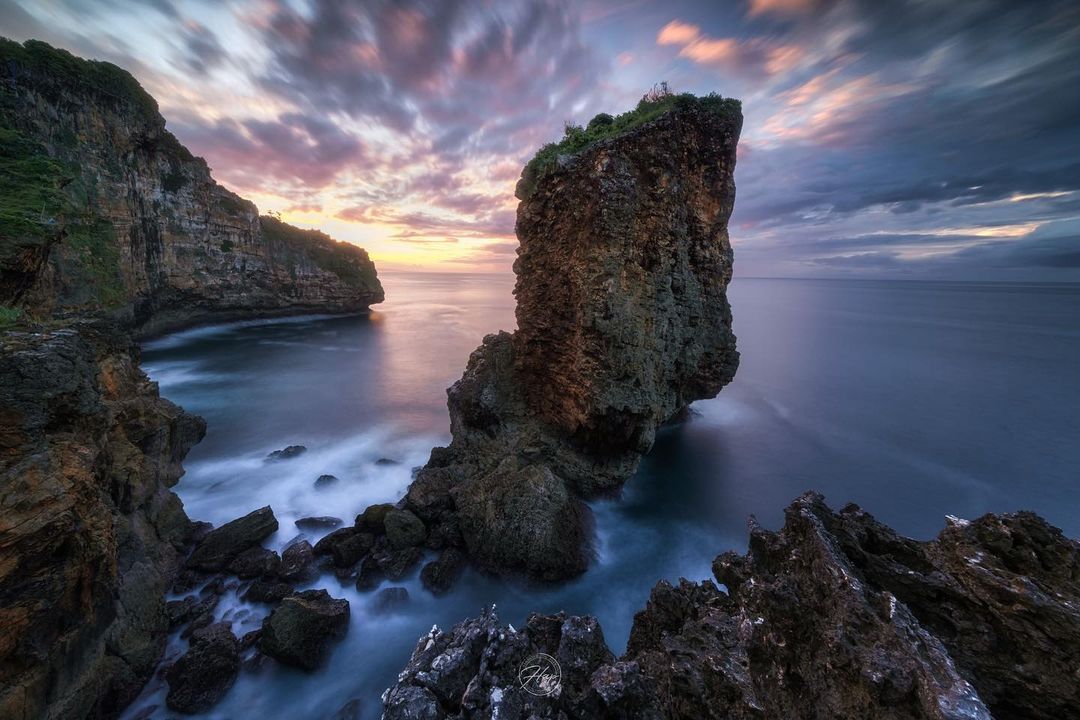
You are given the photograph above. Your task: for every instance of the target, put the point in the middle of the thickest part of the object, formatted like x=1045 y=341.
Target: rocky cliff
x=834 y=616
x=105 y=212
x=622 y=322
x=90 y=534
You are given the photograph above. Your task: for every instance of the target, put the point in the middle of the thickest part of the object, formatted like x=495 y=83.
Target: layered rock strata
x=104 y=212
x=90 y=534
x=623 y=320
x=833 y=616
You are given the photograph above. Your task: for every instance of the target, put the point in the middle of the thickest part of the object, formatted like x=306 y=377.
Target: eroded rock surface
x=833 y=616
x=120 y=219
x=623 y=320
x=91 y=536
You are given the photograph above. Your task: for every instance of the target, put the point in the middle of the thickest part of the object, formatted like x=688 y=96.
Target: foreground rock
x=91 y=536
x=300 y=630
x=202 y=675
x=622 y=322
x=222 y=545
x=106 y=213
x=834 y=616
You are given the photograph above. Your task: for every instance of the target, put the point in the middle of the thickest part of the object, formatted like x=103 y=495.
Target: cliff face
x=105 y=212
x=834 y=616
x=90 y=534
x=622 y=322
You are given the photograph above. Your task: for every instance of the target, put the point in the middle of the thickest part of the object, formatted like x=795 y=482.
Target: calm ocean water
x=914 y=400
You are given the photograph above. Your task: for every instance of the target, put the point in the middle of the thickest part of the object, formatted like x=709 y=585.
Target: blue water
x=914 y=400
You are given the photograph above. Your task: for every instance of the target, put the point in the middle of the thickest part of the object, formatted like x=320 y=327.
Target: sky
x=918 y=139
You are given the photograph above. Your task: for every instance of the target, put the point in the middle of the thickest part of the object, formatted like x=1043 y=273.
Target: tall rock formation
x=622 y=322
x=834 y=616
x=103 y=211
x=90 y=534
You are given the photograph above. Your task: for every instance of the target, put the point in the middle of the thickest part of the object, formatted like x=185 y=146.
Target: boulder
x=372 y=520
x=202 y=675
x=389 y=599
x=397 y=564
x=325 y=481
x=287 y=453
x=296 y=562
x=300 y=630
x=267 y=591
x=439 y=576
x=222 y=544
x=321 y=522
x=403 y=529
x=254 y=562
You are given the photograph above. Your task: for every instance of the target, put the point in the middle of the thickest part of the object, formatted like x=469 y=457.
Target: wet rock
x=286 y=453
x=399 y=563
x=180 y=611
x=369 y=574
x=387 y=461
x=440 y=575
x=250 y=638
x=254 y=562
x=403 y=529
x=325 y=481
x=202 y=676
x=296 y=562
x=300 y=630
x=345 y=546
x=372 y=520
x=322 y=522
x=389 y=599
x=223 y=544
x=267 y=591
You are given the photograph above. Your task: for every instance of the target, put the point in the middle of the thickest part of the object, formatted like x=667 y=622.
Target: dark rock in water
x=202 y=676
x=326 y=545
x=250 y=638
x=834 y=616
x=387 y=461
x=325 y=481
x=299 y=630
x=372 y=520
x=179 y=611
x=389 y=599
x=254 y=562
x=268 y=591
x=296 y=562
x=369 y=575
x=287 y=453
x=403 y=529
x=440 y=575
x=399 y=563
x=89 y=453
x=623 y=321
x=223 y=544
x=321 y=522
x=351 y=550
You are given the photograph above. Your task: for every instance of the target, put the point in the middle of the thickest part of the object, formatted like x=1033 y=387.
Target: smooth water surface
x=914 y=400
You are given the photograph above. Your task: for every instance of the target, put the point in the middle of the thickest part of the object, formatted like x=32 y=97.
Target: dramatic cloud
x=881 y=138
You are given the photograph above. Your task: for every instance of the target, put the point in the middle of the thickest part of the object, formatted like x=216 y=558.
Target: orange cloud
x=677 y=33
x=780 y=7
x=757 y=55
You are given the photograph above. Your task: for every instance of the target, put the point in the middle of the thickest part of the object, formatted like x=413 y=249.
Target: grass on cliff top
x=348 y=262
x=53 y=68
x=652 y=105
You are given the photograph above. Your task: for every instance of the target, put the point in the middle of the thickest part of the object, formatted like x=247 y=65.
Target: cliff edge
x=104 y=212
x=623 y=320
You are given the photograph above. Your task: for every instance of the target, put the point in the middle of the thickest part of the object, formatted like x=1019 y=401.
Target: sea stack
x=623 y=320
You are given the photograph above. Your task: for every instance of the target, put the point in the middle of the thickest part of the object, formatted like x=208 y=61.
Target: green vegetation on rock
x=652 y=105
x=30 y=187
x=9 y=317
x=347 y=261
x=97 y=268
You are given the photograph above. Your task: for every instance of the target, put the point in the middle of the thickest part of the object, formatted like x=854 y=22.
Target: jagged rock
x=373 y=519
x=254 y=562
x=389 y=599
x=136 y=228
x=202 y=676
x=287 y=453
x=89 y=453
x=299 y=630
x=403 y=529
x=833 y=616
x=296 y=562
x=440 y=575
x=268 y=591
x=222 y=544
x=322 y=522
x=325 y=481
x=623 y=320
